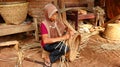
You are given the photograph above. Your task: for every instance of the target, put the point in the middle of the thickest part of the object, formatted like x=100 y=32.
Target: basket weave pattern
x=14 y=13
x=74 y=43
x=112 y=32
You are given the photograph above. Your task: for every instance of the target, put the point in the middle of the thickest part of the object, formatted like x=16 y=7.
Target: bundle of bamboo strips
x=21 y=53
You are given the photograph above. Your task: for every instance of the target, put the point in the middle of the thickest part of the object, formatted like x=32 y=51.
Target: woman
x=53 y=33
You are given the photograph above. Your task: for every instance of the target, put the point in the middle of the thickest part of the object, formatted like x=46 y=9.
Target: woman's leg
x=56 y=53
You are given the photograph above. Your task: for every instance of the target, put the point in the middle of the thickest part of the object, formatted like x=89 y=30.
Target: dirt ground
x=90 y=56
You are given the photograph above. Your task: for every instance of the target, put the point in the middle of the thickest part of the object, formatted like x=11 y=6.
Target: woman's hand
x=66 y=36
x=48 y=40
x=71 y=33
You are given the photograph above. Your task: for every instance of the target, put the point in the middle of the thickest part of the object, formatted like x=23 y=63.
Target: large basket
x=14 y=12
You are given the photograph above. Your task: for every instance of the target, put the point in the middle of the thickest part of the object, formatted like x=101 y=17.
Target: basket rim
x=12 y=3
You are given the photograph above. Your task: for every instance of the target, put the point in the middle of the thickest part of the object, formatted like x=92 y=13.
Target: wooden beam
x=13 y=29
x=72 y=8
x=87 y=16
x=9 y=43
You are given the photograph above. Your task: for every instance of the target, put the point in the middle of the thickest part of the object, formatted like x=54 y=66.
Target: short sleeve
x=43 y=29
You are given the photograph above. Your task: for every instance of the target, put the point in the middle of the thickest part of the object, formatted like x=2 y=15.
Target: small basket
x=14 y=12
x=112 y=31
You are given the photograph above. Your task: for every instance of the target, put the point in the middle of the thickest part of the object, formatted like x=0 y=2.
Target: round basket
x=14 y=12
x=112 y=31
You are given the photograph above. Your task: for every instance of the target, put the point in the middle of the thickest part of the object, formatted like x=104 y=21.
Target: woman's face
x=54 y=16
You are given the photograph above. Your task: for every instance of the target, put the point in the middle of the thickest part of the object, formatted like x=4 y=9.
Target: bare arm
x=48 y=40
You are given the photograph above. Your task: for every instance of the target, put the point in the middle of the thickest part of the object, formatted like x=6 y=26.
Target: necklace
x=52 y=25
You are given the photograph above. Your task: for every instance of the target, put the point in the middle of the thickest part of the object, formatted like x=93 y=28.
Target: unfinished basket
x=14 y=12
x=112 y=31
x=74 y=43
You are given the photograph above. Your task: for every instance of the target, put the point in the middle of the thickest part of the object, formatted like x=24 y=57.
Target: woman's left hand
x=71 y=33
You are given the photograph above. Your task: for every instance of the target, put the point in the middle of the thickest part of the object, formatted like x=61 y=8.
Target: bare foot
x=47 y=62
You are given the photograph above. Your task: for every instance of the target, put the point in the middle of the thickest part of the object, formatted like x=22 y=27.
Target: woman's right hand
x=66 y=36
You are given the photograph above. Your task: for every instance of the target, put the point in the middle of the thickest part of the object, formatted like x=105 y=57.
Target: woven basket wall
x=14 y=12
x=112 y=31
x=74 y=43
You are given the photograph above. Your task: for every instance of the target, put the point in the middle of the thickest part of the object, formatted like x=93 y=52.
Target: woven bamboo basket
x=112 y=31
x=73 y=43
x=14 y=12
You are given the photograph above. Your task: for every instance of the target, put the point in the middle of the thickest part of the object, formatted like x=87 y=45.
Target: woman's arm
x=48 y=40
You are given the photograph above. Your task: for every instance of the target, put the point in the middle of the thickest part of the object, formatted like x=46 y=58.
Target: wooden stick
x=36 y=29
x=13 y=29
x=33 y=60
